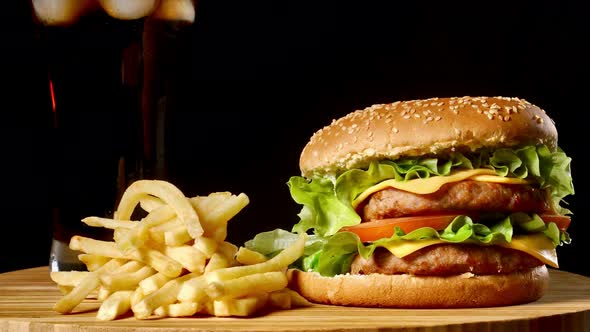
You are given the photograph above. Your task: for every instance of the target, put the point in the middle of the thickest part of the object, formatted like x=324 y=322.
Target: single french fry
x=278 y=262
x=163 y=296
x=240 y=307
x=188 y=256
x=153 y=283
x=178 y=309
x=166 y=191
x=108 y=223
x=254 y=283
x=193 y=290
x=95 y=247
x=246 y=256
x=115 y=305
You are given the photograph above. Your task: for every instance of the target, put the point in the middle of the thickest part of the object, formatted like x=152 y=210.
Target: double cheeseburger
x=436 y=203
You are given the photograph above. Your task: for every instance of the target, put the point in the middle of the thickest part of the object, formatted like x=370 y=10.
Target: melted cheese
x=433 y=184
x=536 y=245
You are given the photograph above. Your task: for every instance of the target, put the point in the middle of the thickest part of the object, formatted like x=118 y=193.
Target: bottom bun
x=407 y=291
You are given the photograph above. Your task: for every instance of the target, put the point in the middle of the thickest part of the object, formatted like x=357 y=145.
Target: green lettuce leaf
x=333 y=254
x=327 y=201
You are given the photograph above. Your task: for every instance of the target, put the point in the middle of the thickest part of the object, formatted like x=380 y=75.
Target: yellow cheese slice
x=536 y=245
x=500 y=179
x=433 y=184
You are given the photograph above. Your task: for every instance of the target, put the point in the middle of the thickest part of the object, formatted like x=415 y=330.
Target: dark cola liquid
x=113 y=85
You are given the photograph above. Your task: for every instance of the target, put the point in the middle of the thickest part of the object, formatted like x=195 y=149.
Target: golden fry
x=95 y=247
x=115 y=305
x=108 y=223
x=178 y=309
x=247 y=285
x=246 y=256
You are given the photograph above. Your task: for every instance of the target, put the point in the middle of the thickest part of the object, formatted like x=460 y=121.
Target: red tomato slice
x=562 y=222
x=378 y=229
x=384 y=228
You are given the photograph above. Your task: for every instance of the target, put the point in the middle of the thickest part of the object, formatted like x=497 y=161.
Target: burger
x=434 y=203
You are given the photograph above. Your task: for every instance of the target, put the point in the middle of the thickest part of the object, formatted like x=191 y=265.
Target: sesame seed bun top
x=425 y=127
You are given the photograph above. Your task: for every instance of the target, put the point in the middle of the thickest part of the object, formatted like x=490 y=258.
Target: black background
x=267 y=74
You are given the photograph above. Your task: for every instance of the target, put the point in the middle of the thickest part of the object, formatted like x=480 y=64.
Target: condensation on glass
x=113 y=71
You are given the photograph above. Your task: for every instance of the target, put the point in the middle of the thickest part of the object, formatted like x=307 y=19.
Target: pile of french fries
x=175 y=261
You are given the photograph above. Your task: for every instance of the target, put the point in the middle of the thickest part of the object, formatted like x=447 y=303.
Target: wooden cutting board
x=27 y=297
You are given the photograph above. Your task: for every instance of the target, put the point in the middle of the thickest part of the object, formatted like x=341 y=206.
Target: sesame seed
x=438 y=118
x=406 y=116
x=490 y=116
x=395 y=130
x=417 y=115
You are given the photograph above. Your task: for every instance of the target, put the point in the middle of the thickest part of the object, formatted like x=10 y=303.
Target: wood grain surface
x=27 y=297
